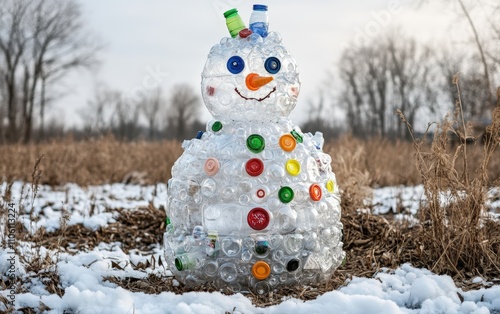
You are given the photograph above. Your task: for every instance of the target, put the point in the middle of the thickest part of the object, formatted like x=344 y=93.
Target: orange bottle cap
x=315 y=192
x=261 y=270
x=287 y=142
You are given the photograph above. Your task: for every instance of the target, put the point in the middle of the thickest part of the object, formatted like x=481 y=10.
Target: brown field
x=376 y=162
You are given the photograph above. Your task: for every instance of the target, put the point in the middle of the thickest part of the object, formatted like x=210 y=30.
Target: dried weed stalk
x=456 y=237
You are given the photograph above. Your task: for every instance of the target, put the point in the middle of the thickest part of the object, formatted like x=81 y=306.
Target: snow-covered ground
x=404 y=290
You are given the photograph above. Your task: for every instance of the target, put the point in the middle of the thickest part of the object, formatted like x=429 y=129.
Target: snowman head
x=250 y=78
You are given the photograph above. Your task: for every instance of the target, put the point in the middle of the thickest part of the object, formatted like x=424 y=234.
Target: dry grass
x=457 y=237
x=91 y=162
x=376 y=162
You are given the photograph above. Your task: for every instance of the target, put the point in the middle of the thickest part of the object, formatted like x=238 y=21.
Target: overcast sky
x=173 y=38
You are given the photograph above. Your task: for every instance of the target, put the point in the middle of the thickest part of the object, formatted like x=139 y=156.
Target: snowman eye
x=235 y=64
x=272 y=65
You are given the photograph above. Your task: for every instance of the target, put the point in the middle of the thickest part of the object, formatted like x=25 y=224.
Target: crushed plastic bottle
x=253 y=204
x=259 y=22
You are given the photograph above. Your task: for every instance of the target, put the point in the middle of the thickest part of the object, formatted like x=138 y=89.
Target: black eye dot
x=272 y=65
x=235 y=64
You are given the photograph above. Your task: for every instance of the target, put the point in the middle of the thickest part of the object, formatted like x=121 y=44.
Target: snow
x=82 y=273
x=405 y=201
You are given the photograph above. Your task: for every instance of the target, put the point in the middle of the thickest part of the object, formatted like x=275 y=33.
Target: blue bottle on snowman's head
x=259 y=22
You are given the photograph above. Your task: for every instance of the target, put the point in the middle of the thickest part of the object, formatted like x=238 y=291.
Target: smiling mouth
x=252 y=98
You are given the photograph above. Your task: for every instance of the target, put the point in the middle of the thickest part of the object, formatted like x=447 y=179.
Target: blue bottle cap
x=199 y=135
x=259 y=7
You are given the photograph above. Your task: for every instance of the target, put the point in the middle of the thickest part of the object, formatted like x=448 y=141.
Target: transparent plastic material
x=259 y=22
x=253 y=204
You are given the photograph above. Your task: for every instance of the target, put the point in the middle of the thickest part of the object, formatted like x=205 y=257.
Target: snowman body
x=253 y=203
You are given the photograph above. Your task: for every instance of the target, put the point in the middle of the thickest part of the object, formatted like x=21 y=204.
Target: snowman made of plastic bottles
x=253 y=203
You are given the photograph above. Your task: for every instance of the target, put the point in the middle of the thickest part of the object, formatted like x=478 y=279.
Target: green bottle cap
x=230 y=13
x=297 y=136
x=167 y=220
x=261 y=247
x=285 y=194
x=256 y=143
x=178 y=264
x=217 y=126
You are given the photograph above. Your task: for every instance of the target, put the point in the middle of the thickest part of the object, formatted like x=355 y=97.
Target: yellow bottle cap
x=261 y=270
x=293 y=167
x=330 y=186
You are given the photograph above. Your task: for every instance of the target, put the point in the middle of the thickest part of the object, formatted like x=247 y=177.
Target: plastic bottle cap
x=199 y=135
x=330 y=186
x=261 y=193
x=315 y=192
x=254 y=81
x=293 y=265
x=297 y=136
x=293 y=167
x=261 y=270
x=244 y=33
x=230 y=13
x=217 y=126
x=212 y=166
x=254 y=167
x=258 y=218
x=260 y=7
x=261 y=247
x=287 y=142
x=285 y=194
x=256 y=143
x=178 y=264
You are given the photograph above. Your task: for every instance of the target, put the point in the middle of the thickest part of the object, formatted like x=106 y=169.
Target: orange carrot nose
x=255 y=81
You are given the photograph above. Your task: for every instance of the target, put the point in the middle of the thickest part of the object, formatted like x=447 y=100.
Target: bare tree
x=387 y=74
x=13 y=46
x=412 y=74
x=364 y=72
x=183 y=109
x=40 y=42
x=474 y=95
x=97 y=115
x=125 y=116
x=151 y=106
x=480 y=49
x=482 y=18
x=110 y=112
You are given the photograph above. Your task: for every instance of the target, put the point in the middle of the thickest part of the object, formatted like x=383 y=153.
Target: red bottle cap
x=244 y=33
x=258 y=218
x=254 y=167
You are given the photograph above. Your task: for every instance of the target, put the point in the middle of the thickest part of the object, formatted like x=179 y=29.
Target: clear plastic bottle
x=259 y=22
